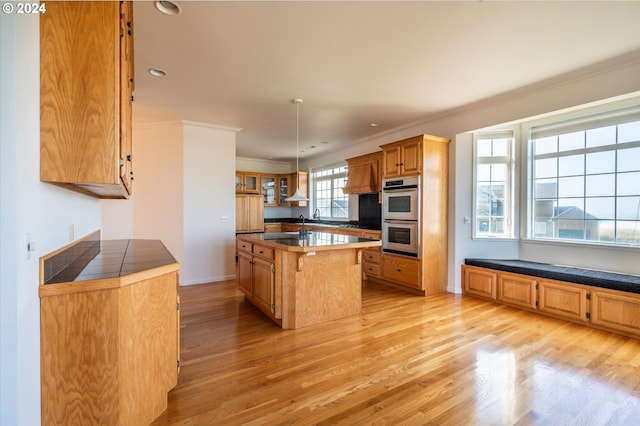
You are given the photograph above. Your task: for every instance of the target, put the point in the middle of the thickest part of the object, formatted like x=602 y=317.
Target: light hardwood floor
x=405 y=360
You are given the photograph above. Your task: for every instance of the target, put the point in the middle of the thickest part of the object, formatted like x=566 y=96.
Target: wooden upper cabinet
x=86 y=84
x=247 y=182
x=268 y=186
x=402 y=158
x=364 y=174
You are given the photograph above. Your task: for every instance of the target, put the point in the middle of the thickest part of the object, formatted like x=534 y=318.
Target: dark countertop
x=314 y=240
x=108 y=259
x=323 y=222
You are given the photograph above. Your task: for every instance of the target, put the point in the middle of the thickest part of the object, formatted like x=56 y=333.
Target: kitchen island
x=301 y=279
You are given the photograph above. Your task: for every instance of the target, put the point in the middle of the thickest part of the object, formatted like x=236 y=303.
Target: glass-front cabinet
x=247 y=182
x=268 y=189
x=283 y=190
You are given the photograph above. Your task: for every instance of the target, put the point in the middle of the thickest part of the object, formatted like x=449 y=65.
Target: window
x=327 y=192
x=493 y=181
x=585 y=179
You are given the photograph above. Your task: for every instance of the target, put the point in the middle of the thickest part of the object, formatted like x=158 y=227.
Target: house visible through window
x=493 y=181
x=327 y=192
x=585 y=179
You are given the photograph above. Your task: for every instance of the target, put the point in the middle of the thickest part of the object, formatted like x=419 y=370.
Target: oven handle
x=399 y=188
x=399 y=222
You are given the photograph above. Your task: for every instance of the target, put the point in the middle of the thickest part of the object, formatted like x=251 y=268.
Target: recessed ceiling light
x=157 y=72
x=325 y=142
x=168 y=7
x=374 y=124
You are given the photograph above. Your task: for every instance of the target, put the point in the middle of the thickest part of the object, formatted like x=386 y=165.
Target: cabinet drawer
x=262 y=251
x=243 y=246
x=371 y=269
x=372 y=256
x=401 y=270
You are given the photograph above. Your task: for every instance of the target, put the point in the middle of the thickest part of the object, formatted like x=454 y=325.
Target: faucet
x=316 y=214
x=303 y=231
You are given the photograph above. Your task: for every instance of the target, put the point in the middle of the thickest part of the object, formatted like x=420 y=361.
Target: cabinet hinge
x=177 y=306
x=588 y=296
x=273 y=269
x=537 y=303
x=121 y=162
x=178 y=363
x=121 y=32
x=588 y=315
x=537 y=286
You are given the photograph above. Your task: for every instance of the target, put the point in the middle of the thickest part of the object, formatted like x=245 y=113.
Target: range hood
x=361 y=180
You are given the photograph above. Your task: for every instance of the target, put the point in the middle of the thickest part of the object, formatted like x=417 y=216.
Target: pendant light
x=297 y=196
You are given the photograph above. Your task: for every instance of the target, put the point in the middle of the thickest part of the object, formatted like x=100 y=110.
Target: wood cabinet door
x=263 y=280
x=563 y=300
x=391 y=162
x=244 y=273
x=616 y=310
x=82 y=111
x=242 y=212
x=284 y=186
x=516 y=290
x=255 y=214
x=268 y=189
x=479 y=282
x=126 y=93
x=411 y=158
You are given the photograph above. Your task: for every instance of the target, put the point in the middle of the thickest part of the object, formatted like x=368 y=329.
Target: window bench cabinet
x=603 y=300
x=109 y=335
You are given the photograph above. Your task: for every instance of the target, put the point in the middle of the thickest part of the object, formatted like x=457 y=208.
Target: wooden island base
x=301 y=282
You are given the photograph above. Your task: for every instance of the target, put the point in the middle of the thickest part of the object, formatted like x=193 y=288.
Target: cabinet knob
x=399 y=270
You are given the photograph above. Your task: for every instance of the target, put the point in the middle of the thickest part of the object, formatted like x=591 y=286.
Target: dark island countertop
x=312 y=241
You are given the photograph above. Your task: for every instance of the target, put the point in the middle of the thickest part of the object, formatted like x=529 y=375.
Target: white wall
x=28 y=206
x=158 y=185
x=601 y=81
x=209 y=203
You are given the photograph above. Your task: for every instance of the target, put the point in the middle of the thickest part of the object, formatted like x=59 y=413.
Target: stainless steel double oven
x=401 y=216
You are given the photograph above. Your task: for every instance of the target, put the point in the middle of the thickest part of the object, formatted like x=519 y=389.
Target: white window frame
x=572 y=122
x=324 y=213
x=509 y=160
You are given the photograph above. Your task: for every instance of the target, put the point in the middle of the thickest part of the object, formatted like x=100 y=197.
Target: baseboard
x=207 y=280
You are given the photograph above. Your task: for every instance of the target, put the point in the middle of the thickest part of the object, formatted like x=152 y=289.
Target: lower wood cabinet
x=563 y=300
x=256 y=276
x=616 y=310
x=610 y=310
x=371 y=262
x=516 y=290
x=110 y=355
x=479 y=282
x=401 y=269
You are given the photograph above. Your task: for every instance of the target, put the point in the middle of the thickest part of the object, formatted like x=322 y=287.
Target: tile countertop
x=111 y=259
x=312 y=241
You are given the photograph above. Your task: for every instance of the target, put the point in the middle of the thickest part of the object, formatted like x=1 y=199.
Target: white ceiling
x=240 y=64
